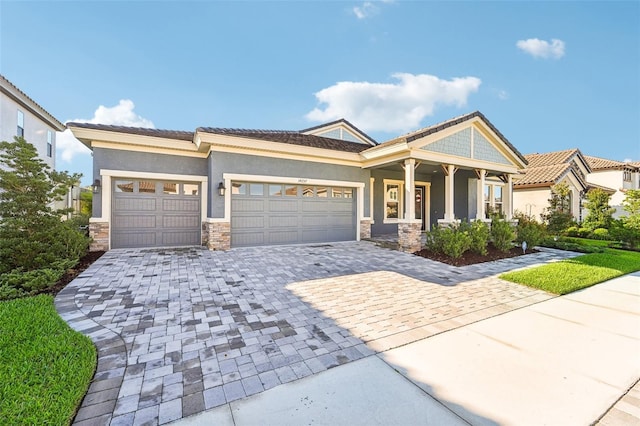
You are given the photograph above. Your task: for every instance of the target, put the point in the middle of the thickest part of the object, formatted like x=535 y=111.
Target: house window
x=392 y=201
x=20 y=131
x=49 y=143
x=626 y=176
x=493 y=199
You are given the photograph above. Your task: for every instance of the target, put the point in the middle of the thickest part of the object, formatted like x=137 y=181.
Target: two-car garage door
x=150 y=213
x=273 y=213
x=154 y=213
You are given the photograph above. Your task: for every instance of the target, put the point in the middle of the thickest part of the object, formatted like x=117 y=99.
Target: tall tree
x=558 y=215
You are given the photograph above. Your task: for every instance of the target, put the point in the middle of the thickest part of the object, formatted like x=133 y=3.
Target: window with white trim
x=393 y=203
x=493 y=199
x=20 y=131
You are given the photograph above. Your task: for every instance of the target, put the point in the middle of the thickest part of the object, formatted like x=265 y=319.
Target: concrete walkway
x=564 y=361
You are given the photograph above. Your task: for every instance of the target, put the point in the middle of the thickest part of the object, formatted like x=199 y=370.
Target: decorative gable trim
x=341 y=130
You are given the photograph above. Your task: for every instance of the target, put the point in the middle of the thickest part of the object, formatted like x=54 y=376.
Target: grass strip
x=580 y=272
x=45 y=366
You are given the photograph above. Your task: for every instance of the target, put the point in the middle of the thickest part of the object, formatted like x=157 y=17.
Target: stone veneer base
x=99 y=233
x=409 y=236
x=216 y=235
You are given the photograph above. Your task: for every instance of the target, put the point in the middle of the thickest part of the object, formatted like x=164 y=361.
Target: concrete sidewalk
x=564 y=361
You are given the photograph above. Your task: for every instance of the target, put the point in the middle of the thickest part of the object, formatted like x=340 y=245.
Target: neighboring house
x=230 y=187
x=532 y=190
x=618 y=176
x=22 y=116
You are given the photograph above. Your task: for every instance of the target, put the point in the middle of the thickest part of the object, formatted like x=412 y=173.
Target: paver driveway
x=183 y=330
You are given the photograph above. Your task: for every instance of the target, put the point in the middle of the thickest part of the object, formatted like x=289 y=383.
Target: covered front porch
x=462 y=169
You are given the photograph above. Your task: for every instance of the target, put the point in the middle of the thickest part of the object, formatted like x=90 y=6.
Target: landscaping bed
x=470 y=258
x=72 y=273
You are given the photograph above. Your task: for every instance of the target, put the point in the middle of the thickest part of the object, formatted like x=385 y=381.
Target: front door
x=420 y=193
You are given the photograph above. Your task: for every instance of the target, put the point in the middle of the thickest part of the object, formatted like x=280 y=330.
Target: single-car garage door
x=268 y=213
x=148 y=213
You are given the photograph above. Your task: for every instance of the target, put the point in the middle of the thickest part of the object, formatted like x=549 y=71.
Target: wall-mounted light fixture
x=221 y=189
x=95 y=188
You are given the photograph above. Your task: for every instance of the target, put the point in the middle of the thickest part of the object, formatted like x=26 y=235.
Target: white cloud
x=542 y=48
x=123 y=114
x=365 y=10
x=391 y=107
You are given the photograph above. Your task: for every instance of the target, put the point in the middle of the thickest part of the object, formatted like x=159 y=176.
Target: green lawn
x=45 y=366
x=574 y=274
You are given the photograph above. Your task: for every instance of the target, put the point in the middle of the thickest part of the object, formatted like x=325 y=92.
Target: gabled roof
x=597 y=163
x=142 y=131
x=592 y=186
x=341 y=121
x=542 y=175
x=289 y=137
x=12 y=91
x=549 y=158
x=426 y=131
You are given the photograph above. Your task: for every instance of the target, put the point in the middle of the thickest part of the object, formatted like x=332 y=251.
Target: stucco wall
x=111 y=159
x=35 y=130
x=221 y=162
x=531 y=202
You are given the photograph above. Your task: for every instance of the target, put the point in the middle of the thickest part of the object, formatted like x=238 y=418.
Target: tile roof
x=342 y=120
x=142 y=131
x=541 y=175
x=597 y=163
x=289 y=137
x=549 y=158
x=409 y=137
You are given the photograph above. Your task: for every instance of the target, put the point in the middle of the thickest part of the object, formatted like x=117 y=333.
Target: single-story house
x=227 y=188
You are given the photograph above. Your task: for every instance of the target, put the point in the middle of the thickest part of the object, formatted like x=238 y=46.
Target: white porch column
x=508 y=198
x=480 y=211
x=449 y=214
x=409 y=189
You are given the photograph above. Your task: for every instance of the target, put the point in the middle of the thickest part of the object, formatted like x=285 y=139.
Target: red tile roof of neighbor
x=597 y=163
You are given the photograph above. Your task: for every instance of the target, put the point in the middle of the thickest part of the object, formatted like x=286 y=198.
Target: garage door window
x=191 y=189
x=238 y=188
x=256 y=189
x=171 y=188
x=146 y=187
x=321 y=192
x=291 y=190
x=124 y=186
x=275 y=190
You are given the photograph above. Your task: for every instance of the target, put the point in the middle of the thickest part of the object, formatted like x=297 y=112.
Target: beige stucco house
x=582 y=173
x=617 y=175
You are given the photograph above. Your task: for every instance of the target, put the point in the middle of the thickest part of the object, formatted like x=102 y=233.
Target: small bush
x=629 y=236
x=455 y=241
x=530 y=230
x=479 y=232
x=502 y=235
x=575 y=231
x=31 y=281
x=434 y=240
x=600 y=234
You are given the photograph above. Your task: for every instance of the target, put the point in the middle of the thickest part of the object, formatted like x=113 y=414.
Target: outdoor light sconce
x=221 y=189
x=95 y=188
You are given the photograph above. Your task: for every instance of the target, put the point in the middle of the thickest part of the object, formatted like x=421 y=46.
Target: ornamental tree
x=32 y=234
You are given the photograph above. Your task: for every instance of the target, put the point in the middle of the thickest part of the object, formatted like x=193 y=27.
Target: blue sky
x=548 y=75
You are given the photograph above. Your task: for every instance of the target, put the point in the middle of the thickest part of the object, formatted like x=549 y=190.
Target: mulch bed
x=70 y=275
x=471 y=258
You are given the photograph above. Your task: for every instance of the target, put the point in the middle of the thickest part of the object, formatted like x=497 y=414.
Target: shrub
x=599 y=213
x=434 y=239
x=574 y=231
x=502 y=235
x=628 y=235
x=600 y=234
x=36 y=246
x=455 y=241
x=479 y=232
x=530 y=230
